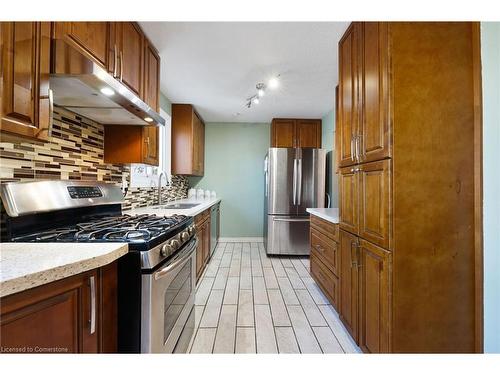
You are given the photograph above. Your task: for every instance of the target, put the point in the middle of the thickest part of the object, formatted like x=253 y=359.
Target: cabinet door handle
x=51 y=111
x=115 y=63
x=352 y=148
x=354 y=258
x=356 y=148
x=360 y=137
x=121 y=65
x=92 y=304
x=147 y=146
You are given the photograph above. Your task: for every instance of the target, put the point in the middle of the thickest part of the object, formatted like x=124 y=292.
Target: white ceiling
x=216 y=65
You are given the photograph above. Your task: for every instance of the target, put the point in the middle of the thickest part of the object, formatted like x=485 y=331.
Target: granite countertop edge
x=22 y=282
x=203 y=205
x=328 y=214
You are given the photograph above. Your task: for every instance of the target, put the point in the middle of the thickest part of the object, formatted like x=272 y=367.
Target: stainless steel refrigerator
x=294 y=180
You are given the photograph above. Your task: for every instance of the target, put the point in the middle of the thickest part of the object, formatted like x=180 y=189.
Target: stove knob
x=169 y=248
x=175 y=244
x=184 y=236
x=191 y=230
x=166 y=250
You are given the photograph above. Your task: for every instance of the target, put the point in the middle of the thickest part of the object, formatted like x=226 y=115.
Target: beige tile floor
x=248 y=302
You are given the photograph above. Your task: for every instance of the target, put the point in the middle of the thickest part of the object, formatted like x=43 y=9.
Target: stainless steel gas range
x=156 y=279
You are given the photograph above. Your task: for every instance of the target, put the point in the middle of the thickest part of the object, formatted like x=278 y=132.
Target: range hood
x=92 y=92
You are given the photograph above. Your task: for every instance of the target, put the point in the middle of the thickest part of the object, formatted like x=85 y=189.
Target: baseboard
x=241 y=239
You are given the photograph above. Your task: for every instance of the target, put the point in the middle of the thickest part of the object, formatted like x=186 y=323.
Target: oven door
x=167 y=301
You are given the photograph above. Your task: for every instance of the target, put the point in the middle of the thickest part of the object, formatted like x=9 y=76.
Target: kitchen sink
x=176 y=206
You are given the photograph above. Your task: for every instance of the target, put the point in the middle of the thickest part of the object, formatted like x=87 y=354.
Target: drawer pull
x=320 y=248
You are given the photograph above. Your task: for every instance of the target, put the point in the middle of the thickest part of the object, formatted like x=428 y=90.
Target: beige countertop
x=27 y=265
x=202 y=206
x=329 y=214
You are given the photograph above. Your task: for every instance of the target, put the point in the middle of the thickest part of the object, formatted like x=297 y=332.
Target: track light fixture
x=261 y=90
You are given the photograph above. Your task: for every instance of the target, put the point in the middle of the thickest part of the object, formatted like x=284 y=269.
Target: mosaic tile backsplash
x=76 y=152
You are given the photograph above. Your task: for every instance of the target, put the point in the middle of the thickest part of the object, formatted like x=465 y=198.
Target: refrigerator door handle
x=292 y=220
x=294 y=187
x=266 y=176
x=299 y=178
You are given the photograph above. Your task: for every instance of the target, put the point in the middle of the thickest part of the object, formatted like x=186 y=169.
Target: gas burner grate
x=122 y=228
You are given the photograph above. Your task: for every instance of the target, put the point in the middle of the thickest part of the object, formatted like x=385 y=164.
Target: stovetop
x=141 y=232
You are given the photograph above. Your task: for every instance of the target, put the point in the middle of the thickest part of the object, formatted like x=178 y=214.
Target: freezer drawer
x=288 y=235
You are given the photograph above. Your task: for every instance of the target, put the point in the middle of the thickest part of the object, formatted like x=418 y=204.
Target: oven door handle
x=183 y=257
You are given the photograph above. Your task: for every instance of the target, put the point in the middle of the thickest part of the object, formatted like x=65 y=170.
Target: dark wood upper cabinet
x=283 y=133
x=24 y=89
x=188 y=141
x=140 y=71
x=76 y=314
x=151 y=89
x=151 y=95
x=91 y=39
x=129 y=40
x=308 y=133
x=124 y=144
x=151 y=149
x=296 y=133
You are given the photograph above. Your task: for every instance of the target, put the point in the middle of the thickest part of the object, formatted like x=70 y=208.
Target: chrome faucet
x=159 y=185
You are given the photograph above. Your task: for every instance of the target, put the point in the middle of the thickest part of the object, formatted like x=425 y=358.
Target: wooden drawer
x=201 y=217
x=327 y=281
x=327 y=228
x=326 y=249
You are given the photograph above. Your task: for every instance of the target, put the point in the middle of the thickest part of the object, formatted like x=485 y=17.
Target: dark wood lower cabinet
x=202 y=222
x=72 y=315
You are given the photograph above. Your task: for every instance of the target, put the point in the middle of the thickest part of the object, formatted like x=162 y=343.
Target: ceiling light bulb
x=273 y=82
x=107 y=91
x=148 y=119
x=261 y=92
x=255 y=100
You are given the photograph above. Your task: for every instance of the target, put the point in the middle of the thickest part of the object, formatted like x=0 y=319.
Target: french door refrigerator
x=294 y=181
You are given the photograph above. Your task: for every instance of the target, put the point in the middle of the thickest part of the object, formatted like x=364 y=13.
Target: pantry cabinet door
x=24 y=88
x=349 y=282
x=349 y=199
x=374 y=298
x=348 y=94
x=374 y=202
x=374 y=132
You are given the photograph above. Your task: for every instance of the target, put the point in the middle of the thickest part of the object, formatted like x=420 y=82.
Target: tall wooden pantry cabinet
x=410 y=220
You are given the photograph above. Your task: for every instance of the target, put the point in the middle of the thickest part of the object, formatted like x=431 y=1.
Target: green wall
x=490 y=55
x=328 y=128
x=234 y=157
